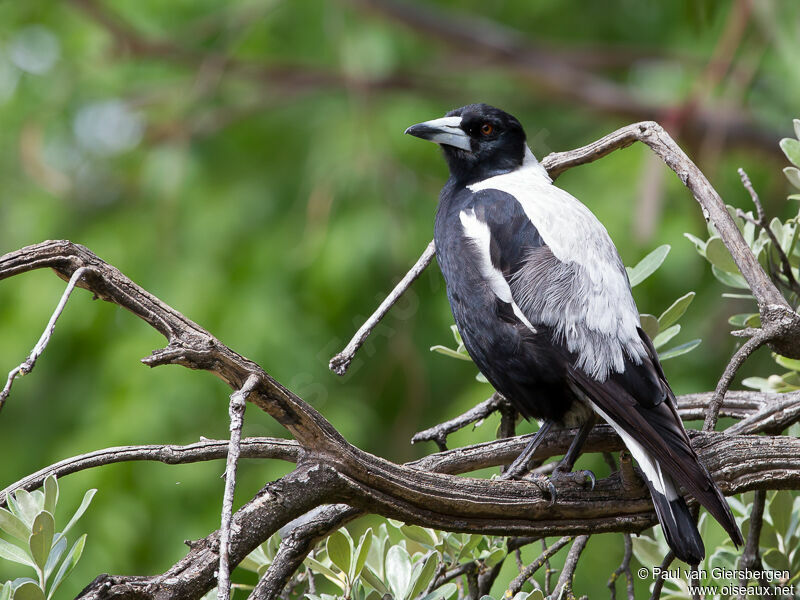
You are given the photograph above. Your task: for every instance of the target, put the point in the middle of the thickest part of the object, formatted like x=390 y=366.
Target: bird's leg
x=520 y=466
x=563 y=469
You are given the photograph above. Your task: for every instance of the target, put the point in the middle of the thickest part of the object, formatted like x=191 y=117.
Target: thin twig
x=751 y=557
x=564 y=585
x=341 y=362
x=548 y=571
x=623 y=568
x=659 y=582
x=528 y=572
x=171 y=454
x=27 y=366
x=236 y=408
x=761 y=221
x=737 y=360
x=439 y=433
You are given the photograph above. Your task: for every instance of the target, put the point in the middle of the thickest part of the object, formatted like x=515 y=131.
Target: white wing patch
x=573 y=234
x=651 y=468
x=478 y=232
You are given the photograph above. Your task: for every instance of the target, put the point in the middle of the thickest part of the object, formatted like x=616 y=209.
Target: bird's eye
x=487 y=129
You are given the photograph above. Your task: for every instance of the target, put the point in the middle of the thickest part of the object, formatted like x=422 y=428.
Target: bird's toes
x=581 y=477
x=544 y=483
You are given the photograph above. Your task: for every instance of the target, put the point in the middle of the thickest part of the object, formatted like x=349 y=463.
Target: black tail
x=679 y=527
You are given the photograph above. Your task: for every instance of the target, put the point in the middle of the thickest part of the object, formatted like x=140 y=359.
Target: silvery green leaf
x=699 y=244
x=791 y=148
x=5 y=591
x=13 y=525
x=28 y=506
x=648 y=265
x=50 y=494
x=718 y=255
x=796 y=123
x=362 y=551
x=419 y=535
x=15 y=554
x=72 y=558
x=398 y=572
x=757 y=383
x=41 y=540
x=339 y=550
x=427 y=569
x=649 y=324
x=327 y=572
x=28 y=591
x=55 y=555
x=372 y=580
x=675 y=312
x=87 y=500
x=666 y=335
x=745 y=320
x=450 y=352
x=793 y=175
x=788 y=363
x=482 y=379
x=443 y=592
x=733 y=280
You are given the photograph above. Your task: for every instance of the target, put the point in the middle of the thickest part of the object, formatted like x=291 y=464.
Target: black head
x=478 y=141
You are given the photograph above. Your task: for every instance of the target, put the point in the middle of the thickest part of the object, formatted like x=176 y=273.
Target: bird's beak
x=446 y=130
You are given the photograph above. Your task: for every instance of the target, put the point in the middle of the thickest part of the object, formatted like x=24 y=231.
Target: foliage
x=661 y=330
x=35 y=542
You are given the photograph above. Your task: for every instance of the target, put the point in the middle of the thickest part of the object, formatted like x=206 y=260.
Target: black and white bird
x=544 y=307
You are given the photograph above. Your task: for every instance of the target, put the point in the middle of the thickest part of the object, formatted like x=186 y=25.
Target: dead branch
x=528 y=572
x=564 y=584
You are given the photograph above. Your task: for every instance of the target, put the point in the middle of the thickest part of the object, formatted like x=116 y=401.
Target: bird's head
x=478 y=141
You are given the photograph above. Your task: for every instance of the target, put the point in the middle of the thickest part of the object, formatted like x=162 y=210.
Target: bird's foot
x=581 y=477
x=544 y=483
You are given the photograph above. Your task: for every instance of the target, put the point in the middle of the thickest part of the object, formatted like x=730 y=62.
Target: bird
x=544 y=307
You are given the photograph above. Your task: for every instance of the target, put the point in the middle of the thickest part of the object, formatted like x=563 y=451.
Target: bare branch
x=564 y=585
x=623 y=569
x=236 y=408
x=341 y=362
x=439 y=433
x=528 y=572
x=737 y=360
x=659 y=582
x=261 y=447
x=761 y=222
x=30 y=362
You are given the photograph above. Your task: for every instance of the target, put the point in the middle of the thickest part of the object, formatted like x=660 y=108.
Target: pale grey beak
x=446 y=130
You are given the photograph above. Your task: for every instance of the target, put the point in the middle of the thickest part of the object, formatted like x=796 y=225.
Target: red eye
x=487 y=129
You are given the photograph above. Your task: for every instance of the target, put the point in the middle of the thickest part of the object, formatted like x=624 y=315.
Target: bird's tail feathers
x=678 y=526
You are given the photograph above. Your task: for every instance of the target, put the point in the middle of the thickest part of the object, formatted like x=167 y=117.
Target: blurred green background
x=244 y=161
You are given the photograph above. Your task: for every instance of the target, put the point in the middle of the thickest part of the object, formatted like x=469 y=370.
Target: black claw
x=544 y=483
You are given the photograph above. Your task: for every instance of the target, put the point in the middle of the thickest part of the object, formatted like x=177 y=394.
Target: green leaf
x=675 y=312
x=648 y=265
x=495 y=556
x=729 y=279
x=372 y=580
x=666 y=335
x=398 y=572
x=55 y=555
x=339 y=550
x=777 y=560
x=717 y=254
x=796 y=123
x=361 y=553
x=745 y=320
x=757 y=383
x=738 y=296
x=788 y=363
x=419 y=535
x=699 y=244
x=791 y=148
x=5 y=591
x=50 y=494
x=72 y=558
x=28 y=591
x=13 y=525
x=450 y=352
x=41 y=540
x=321 y=569
x=27 y=506
x=15 y=554
x=87 y=500
x=442 y=592
x=793 y=175
x=426 y=574
x=793 y=197
x=650 y=325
